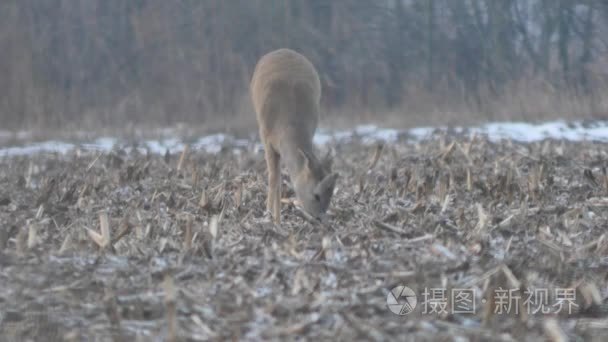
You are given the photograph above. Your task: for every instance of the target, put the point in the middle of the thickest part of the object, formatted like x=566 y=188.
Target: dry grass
x=528 y=100
x=132 y=246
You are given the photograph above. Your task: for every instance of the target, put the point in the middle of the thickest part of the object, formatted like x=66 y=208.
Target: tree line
x=190 y=60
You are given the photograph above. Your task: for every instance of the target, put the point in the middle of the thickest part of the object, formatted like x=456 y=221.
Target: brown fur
x=286 y=92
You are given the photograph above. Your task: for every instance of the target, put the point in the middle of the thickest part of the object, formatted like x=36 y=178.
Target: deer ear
x=328 y=161
x=307 y=162
x=328 y=183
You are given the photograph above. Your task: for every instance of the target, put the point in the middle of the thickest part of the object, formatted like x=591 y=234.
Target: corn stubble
x=179 y=247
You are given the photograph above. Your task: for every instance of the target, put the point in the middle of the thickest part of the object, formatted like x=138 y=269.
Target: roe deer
x=286 y=91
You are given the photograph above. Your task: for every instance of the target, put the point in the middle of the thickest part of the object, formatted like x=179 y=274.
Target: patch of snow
x=211 y=143
x=174 y=145
x=100 y=144
x=518 y=131
x=421 y=133
x=524 y=132
x=43 y=147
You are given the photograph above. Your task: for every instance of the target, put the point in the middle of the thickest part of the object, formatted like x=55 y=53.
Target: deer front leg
x=273 y=201
x=276 y=212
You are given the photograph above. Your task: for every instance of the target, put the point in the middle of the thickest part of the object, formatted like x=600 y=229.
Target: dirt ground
x=497 y=241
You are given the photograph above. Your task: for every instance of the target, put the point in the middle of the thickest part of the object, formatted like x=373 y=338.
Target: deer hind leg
x=273 y=201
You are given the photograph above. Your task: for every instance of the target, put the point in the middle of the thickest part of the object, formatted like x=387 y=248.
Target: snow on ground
x=518 y=131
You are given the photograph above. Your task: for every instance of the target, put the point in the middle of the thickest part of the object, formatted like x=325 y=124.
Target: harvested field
x=120 y=246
